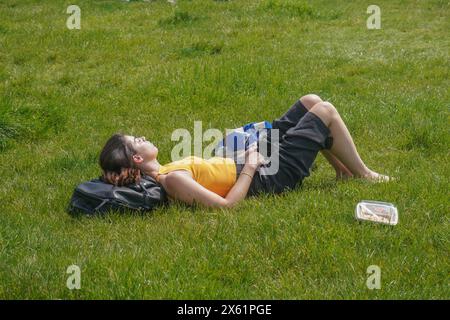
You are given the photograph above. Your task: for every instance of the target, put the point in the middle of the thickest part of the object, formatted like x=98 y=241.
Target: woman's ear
x=138 y=159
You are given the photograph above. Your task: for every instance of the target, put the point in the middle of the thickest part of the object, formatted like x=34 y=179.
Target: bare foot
x=376 y=177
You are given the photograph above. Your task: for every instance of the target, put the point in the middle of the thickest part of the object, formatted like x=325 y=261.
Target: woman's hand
x=253 y=158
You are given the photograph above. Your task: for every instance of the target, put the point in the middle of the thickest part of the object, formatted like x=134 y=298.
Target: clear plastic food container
x=377 y=211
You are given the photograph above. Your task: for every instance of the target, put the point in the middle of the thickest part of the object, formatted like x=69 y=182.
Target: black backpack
x=97 y=197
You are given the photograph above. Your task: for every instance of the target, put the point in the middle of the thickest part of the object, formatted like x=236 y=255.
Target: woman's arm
x=181 y=186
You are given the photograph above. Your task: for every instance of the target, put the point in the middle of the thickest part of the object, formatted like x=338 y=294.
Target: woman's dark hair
x=116 y=160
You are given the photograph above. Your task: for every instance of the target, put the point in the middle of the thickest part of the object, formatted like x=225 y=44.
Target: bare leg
x=343 y=147
x=342 y=171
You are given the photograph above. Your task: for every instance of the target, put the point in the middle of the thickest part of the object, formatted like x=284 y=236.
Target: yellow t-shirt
x=216 y=174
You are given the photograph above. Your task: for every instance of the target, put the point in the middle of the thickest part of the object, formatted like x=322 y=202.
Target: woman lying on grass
x=309 y=126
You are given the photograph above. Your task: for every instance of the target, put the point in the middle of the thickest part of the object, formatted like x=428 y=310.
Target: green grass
x=148 y=68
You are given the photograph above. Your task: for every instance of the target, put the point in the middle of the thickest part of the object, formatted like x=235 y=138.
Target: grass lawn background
x=147 y=68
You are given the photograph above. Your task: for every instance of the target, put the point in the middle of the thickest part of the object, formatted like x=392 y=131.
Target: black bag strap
x=101 y=204
x=144 y=188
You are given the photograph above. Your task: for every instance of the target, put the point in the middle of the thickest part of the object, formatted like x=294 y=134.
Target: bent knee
x=310 y=100
x=327 y=107
x=330 y=106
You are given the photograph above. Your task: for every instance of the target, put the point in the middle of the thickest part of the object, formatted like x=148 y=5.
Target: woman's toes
x=383 y=178
x=376 y=177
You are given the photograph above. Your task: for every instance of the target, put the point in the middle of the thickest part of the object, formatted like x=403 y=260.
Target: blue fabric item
x=243 y=137
x=248 y=126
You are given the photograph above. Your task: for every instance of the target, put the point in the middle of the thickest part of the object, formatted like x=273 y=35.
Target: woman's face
x=144 y=149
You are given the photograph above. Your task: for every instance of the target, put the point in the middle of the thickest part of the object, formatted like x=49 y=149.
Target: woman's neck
x=151 y=168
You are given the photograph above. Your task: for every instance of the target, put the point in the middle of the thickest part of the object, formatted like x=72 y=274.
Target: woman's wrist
x=250 y=175
x=249 y=168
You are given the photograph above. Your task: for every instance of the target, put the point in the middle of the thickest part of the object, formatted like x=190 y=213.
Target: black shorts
x=302 y=135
